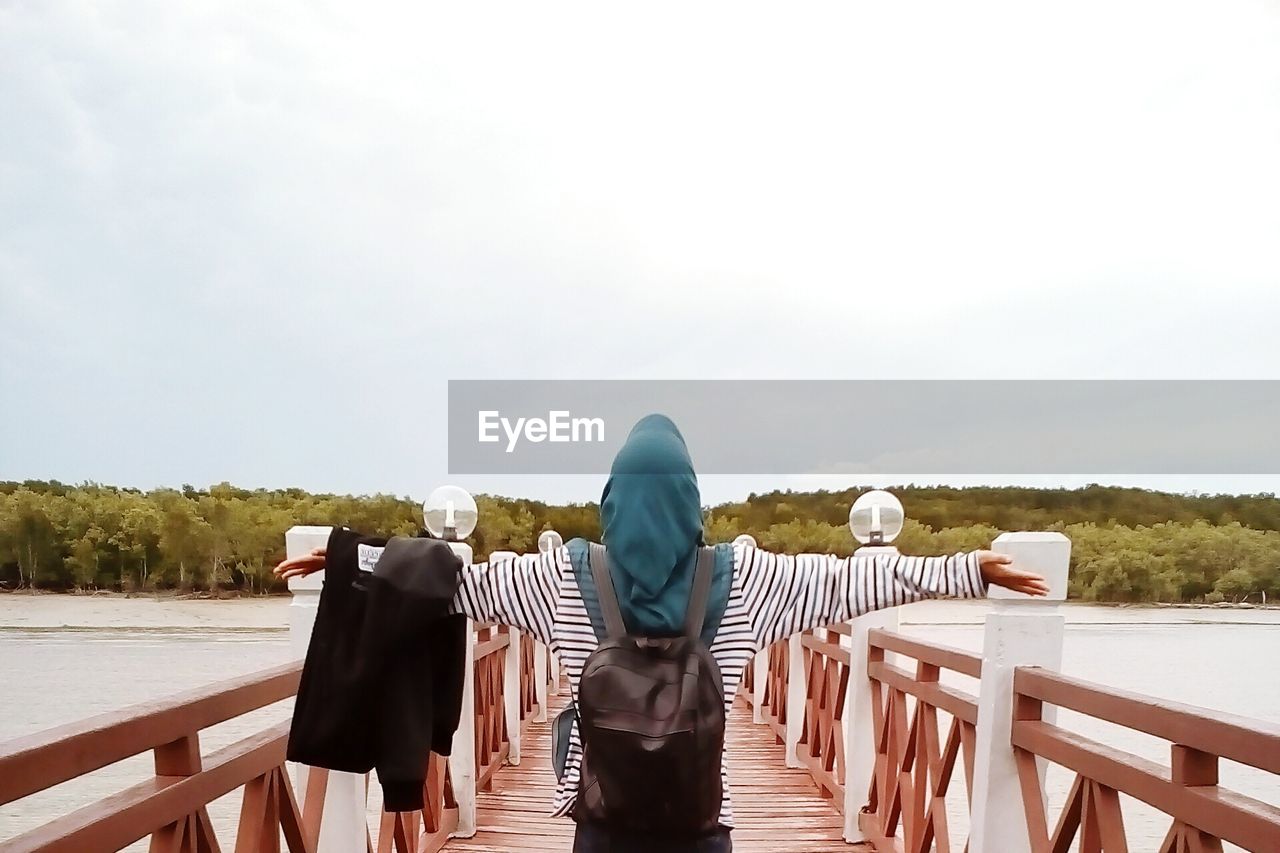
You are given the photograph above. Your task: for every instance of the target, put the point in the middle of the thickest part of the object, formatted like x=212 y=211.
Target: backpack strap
x=614 y=624
x=701 y=591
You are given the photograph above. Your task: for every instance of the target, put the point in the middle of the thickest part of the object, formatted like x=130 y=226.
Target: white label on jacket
x=367 y=557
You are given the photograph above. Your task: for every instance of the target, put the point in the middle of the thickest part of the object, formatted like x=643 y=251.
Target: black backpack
x=651 y=717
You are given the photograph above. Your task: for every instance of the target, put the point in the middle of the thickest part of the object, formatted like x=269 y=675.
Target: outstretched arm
x=788 y=594
x=522 y=592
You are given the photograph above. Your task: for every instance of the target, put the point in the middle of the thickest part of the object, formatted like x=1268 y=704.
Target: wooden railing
x=492 y=737
x=915 y=762
x=773 y=702
x=925 y=734
x=529 y=650
x=821 y=748
x=1202 y=813
x=172 y=806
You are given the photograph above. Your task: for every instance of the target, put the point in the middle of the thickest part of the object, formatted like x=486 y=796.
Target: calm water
x=65 y=658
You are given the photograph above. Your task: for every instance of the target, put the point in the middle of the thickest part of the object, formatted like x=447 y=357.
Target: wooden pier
x=853 y=737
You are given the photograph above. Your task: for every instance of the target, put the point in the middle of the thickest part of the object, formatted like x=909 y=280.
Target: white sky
x=252 y=241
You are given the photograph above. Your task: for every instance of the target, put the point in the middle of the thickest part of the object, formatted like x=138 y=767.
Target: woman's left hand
x=998 y=569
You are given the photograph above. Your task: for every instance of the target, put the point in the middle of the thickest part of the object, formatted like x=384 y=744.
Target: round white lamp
x=450 y=513
x=876 y=519
x=548 y=541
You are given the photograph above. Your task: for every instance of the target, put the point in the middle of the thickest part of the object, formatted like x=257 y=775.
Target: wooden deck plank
x=777 y=809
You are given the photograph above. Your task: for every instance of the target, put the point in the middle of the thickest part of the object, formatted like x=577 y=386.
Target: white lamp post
x=875 y=519
x=548 y=542
x=450 y=513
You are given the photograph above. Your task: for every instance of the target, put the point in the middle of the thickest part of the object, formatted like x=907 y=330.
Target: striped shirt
x=772 y=596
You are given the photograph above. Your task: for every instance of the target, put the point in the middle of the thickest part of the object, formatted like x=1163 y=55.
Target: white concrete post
x=555 y=674
x=511 y=677
x=511 y=694
x=797 y=686
x=540 y=660
x=343 y=826
x=759 y=680
x=1020 y=631
x=462 y=760
x=759 y=663
x=860 y=727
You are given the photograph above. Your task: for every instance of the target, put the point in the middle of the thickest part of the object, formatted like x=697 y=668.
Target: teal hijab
x=651 y=521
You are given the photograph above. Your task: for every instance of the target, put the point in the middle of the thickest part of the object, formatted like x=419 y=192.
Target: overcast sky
x=252 y=241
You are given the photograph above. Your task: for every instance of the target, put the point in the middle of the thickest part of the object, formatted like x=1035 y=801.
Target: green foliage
x=1127 y=544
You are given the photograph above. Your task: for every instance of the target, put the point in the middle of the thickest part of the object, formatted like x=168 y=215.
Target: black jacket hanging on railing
x=382 y=681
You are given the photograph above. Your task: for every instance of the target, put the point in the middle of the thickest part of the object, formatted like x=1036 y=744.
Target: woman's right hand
x=298 y=567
